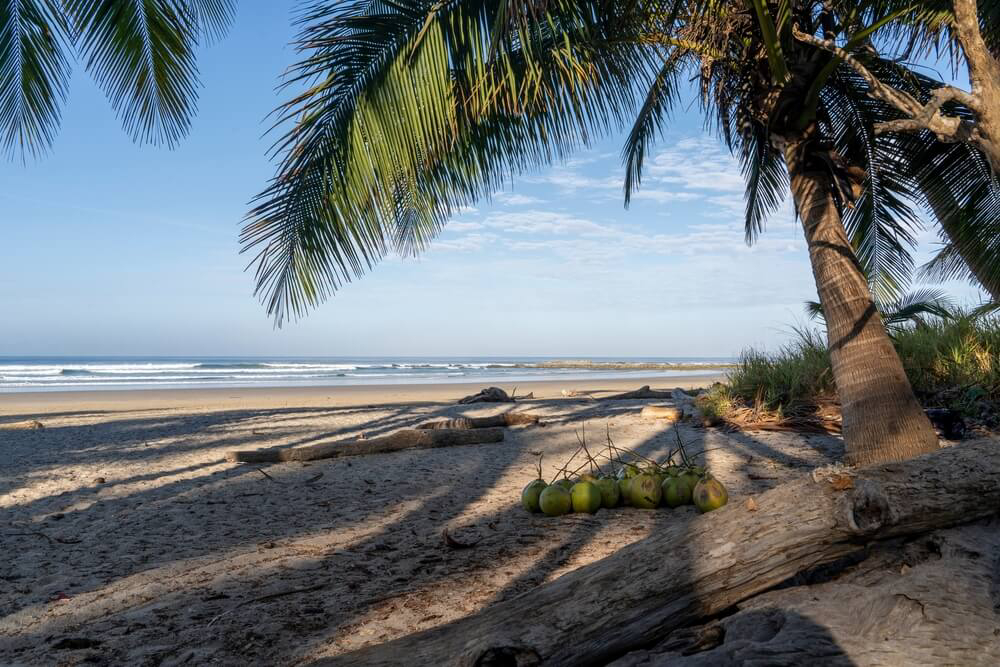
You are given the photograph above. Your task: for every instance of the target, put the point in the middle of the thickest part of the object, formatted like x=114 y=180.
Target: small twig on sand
x=265 y=598
x=261 y=471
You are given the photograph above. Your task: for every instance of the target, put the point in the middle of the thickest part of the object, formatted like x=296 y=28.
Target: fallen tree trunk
x=924 y=601
x=405 y=439
x=505 y=419
x=697 y=568
x=641 y=392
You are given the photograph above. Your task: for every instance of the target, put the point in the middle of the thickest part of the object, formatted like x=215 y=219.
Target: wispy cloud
x=696 y=164
x=511 y=199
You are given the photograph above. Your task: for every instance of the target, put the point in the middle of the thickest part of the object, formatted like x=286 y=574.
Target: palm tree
x=414 y=108
x=140 y=53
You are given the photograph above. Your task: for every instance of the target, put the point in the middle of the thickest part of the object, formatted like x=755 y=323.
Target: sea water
x=91 y=373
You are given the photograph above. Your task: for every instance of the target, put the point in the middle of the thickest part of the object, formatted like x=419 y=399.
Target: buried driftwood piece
x=505 y=419
x=641 y=392
x=405 y=439
x=666 y=412
x=488 y=395
x=699 y=566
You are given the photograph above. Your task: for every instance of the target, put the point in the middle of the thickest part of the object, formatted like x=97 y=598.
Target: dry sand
x=127 y=539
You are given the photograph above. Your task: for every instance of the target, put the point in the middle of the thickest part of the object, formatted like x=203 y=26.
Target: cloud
x=696 y=163
x=569 y=180
x=545 y=222
x=467 y=243
x=463 y=226
x=510 y=199
x=663 y=196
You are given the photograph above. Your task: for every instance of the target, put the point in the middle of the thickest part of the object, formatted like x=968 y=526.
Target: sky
x=113 y=248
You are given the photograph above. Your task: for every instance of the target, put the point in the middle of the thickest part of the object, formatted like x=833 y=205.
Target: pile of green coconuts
x=640 y=483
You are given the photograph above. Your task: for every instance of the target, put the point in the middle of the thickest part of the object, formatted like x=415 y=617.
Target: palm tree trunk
x=882 y=419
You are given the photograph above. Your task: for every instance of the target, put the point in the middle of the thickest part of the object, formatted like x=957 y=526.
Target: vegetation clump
x=952 y=362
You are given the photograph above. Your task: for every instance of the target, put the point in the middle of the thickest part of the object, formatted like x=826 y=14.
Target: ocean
x=94 y=373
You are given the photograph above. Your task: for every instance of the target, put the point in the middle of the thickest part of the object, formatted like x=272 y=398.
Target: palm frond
x=650 y=120
x=766 y=177
x=142 y=56
x=882 y=222
x=414 y=108
x=916 y=305
x=213 y=16
x=34 y=74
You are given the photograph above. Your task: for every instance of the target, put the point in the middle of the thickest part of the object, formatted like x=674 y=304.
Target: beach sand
x=128 y=539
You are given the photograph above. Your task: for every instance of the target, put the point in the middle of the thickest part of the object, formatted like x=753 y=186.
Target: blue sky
x=115 y=248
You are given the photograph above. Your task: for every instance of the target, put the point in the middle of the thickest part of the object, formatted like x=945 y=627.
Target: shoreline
x=19 y=404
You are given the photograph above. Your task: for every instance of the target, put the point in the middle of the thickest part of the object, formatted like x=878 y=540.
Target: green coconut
x=586 y=497
x=565 y=483
x=645 y=492
x=555 y=500
x=677 y=491
x=529 y=497
x=610 y=492
x=624 y=490
x=709 y=494
x=631 y=470
x=691 y=476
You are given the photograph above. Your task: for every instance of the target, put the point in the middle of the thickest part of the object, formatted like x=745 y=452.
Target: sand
x=128 y=539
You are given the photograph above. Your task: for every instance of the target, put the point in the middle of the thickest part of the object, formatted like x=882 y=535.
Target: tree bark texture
x=882 y=420
x=501 y=420
x=984 y=77
x=929 y=600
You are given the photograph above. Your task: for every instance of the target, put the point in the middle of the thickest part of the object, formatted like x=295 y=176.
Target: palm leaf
x=34 y=74
x=766 y=177
x=652 y=116
x=141 y=52
x=414 y=108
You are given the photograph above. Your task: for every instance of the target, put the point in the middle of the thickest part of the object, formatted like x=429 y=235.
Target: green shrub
x=715 y=404
x=794 y=378
x=952 y=363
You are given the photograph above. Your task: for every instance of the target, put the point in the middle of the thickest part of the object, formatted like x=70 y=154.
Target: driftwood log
x=665 y=412
x=488 y=395
x=693 y=570
x=505 y=419
x=405 y=439
x=641 y=392
x=926 y=600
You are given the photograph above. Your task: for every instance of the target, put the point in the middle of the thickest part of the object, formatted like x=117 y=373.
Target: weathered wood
x=695 y=569
x=666 y=412
x=405 y=439
x=488 y=395
x=928 y=600
x=505 y=419
x=641 y=392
